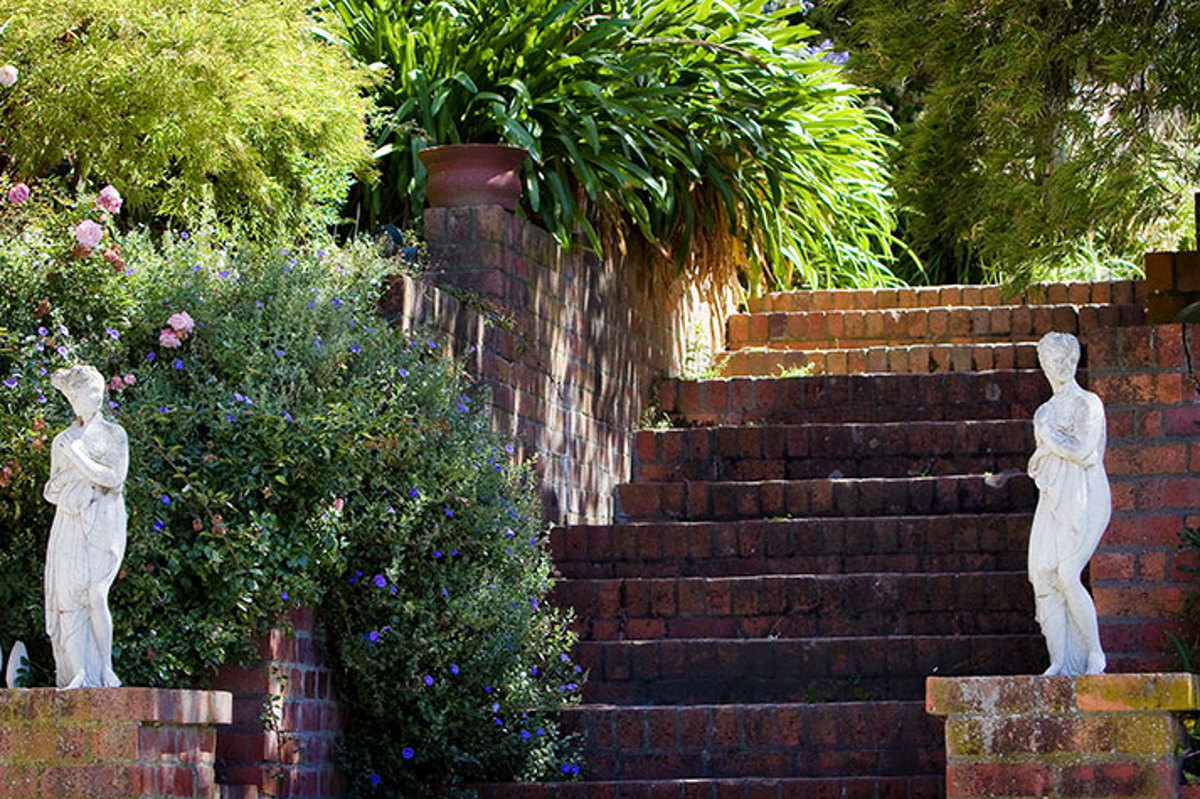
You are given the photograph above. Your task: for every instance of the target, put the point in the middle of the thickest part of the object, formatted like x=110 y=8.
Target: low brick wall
x=1094 y=736
x=1139 y=575
x=123 y=743
x=286 y=721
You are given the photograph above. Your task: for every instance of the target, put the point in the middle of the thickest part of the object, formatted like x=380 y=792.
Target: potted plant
x=701 y=126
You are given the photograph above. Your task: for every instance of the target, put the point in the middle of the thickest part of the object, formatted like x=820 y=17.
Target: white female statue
x=88 y=462
x=1074 y=506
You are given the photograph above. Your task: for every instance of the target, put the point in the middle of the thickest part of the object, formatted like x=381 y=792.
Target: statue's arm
x=1081 y=447
x=107 y=475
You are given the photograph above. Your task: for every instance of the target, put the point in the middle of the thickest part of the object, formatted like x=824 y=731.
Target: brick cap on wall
x=946 y=696
x=183 y=707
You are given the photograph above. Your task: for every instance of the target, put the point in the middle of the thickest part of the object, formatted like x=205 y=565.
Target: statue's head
x=1058 y=353
x=83 y=386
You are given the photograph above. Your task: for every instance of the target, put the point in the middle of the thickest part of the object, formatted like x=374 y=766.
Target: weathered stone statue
x=1074 y=506
x=88 y=462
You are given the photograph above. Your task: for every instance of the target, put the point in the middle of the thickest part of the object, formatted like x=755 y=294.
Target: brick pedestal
x=1093 y=736
x=111 y=743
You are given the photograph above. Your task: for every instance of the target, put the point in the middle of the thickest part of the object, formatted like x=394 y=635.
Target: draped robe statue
x=1074 y=506
x=88 y=462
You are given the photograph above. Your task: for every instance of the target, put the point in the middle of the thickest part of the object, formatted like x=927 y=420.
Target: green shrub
x=1035 y=138
x=292 y=448
x=192 y=108
x=709 y=128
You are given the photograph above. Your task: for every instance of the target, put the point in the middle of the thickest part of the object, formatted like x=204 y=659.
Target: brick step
x=913 y=358
x=1121 y=292
x=731 y=670
x=904 y=326
x=1000 y=394
x=924 y=786
x=850 y=739
x=831 y=545
x=801 y=606
x=778 y=452
x=858 y=496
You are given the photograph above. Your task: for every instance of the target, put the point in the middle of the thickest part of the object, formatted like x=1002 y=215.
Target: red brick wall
x=286 y=720
x=569 y=345
x=1139 y=578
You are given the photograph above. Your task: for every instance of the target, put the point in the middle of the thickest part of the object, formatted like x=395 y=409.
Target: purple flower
x=412 y=492
x=114 y=335
x=437 y=555
x=355 y=348
x=375 y=780
x=166 y=499
x=336 y=302
x=525 y=734
x=279 y=353
x=11 y=382
x=150 y=356
x=407 y=753
x=43 y=331
x=287 y=416
x=380 y=581
x=372 y=636
x=449 y=513
x=178 y=364
x=158 y=526
x=403 y=372
x=163 y=409
x=428 y=680
x=61 y=350
x=454 y=668
x=463 y=407
x=283 y=595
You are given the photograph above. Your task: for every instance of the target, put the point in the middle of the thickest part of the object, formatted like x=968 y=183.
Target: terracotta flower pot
x=473 y=174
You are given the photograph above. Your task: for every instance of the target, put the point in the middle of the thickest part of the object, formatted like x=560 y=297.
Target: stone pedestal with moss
x=116 y=743
x=1088 y=736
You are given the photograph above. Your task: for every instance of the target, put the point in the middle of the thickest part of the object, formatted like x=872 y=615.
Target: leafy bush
x=713 y=128
x=288 y=447
x=230 y=107
x=1033 y=136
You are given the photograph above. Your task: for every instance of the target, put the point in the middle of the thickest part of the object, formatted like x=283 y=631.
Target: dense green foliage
x=292 y=448
x=1033 y=135
x=709 y=127
x=230 y=107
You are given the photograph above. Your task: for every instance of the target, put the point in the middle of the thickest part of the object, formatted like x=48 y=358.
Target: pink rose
x=88 y=234
x=182 y=323
x=168 y=339
x=129 y=380
x=8 y=75
x=18 y=194
x=339 y=503
x=115 y=384
x=109 y=200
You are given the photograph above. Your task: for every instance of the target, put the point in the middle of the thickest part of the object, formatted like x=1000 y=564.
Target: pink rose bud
x=8 y=75
x=109 y=200
x=168 y=339
x=18 y=194
x=339 y=503
x=88 y=234
x=182 y=323
x=129 y=380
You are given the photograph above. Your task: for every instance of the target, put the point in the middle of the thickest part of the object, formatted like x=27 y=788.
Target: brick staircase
x=797 y=553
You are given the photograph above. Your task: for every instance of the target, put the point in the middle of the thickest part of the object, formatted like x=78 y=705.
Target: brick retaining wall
x=1140 y=573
